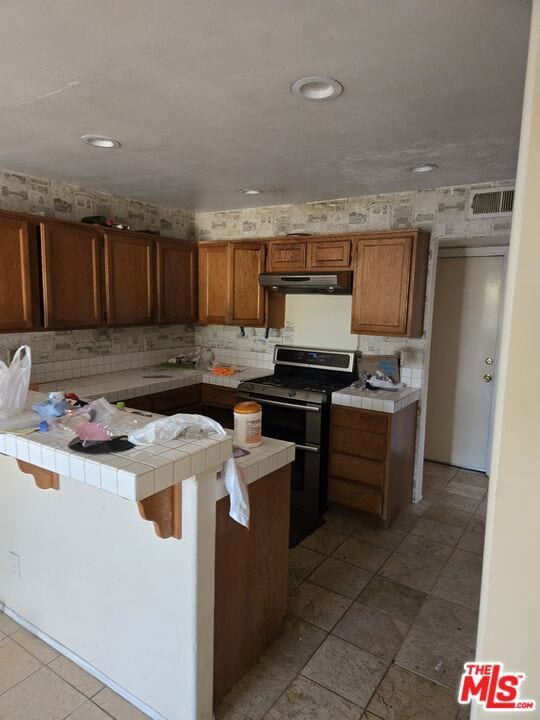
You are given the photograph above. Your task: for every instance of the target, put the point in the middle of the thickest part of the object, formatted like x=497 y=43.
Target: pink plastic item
x=93 y=431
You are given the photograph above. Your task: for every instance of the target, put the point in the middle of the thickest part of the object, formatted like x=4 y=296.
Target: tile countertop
x=128 y=384
x=390 y=401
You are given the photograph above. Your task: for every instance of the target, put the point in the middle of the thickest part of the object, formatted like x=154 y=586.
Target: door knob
x=488 y=377
x=489 y=361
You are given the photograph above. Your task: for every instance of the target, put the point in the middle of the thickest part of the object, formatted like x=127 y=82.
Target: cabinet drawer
x=328 y=254
x=359 y=443
x=286 y=255
x=355 y=496
x=357 y=469
x=368 y=420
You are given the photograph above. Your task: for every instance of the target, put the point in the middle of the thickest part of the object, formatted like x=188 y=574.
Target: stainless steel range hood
x=324 y=283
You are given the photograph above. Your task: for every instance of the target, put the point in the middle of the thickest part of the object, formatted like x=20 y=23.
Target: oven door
x=300 y=424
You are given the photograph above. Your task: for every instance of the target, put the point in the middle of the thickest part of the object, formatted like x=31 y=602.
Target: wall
x=509 y=629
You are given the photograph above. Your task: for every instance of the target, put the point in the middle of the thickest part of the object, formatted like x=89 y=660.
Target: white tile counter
x=132 y=474
x=128 y=384
x=389 y=401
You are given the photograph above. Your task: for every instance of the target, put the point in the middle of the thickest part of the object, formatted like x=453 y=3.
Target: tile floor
x=380 y=621
x=379 y=624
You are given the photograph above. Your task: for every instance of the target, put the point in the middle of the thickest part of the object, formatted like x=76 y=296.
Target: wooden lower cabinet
x=170 y=402
x=372 y=459
x=251 y=578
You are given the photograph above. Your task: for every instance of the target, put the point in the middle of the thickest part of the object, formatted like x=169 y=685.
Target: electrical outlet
x=15 y=565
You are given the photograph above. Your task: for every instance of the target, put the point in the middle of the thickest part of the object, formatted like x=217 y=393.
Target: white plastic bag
x=168 y=428
x=14 y=382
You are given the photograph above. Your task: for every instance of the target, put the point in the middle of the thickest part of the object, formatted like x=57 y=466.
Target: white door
x=462 y=367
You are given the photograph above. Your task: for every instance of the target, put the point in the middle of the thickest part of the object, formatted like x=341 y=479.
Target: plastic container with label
x=247 y=424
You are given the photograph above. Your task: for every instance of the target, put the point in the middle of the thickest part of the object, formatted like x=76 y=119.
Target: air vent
x=491 y=203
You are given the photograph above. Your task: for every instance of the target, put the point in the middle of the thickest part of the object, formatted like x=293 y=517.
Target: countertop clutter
x=388 y=401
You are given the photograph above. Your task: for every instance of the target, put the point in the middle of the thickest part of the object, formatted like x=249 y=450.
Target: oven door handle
x=307 y=448
x=292 y=406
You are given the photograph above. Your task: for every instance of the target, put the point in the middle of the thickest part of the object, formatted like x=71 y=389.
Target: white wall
x=96 y=578
x=509 y=610
x=321 y=321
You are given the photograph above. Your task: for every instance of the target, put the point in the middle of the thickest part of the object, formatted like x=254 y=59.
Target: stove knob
x=292 y=393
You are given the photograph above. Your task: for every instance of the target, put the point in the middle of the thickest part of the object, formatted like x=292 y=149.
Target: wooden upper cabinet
x=334 y=254
x=129 y=279
x=176 y=281
x=71 y=269
x=19 y=302
x=248 y=298
x=214 y=283
x=286 y=255
x=389 y=284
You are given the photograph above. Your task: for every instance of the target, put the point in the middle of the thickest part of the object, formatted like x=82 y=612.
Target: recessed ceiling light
x=249 y=191
x=317 y=88
x=428 y=167
x=100 y=142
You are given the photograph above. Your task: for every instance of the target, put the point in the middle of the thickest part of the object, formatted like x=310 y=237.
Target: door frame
x=485 y=251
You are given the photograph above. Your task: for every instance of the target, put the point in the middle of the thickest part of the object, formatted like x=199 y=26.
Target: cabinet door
x=247 y=296
x=381 y=286
x=331 y=254
x=214 y=283
x=71 y=268
x=19 y=307
x=129 y=279
x=176 y=281
x=284 y=255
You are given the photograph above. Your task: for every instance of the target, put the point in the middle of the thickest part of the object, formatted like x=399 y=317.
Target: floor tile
x=296 y=644
x=346 y=670
x=400 y=601
x=259 y=689
x=342 y=520
x=460 y=580
x=458 y=502
x=372 y=630
x=433 y=484
x=434 y=656
x=116 y=706
x=7 y=625
x=447 y=515
x=424 y=549
x=438 y=531
x=482 y=508
x=15 y=664
x=303 y=561
x=470 y=491
x=403 y=695
x=379 y=536
x=417 y=508
x=76 y=676
x=89 y=711
x=305 y=700
x=473 y=537
x=323 y=541
x=410 y=571
x=358 y=552
x=317 y=605
x=293 y=582
x=469 y=477
x=43 y=652
x=438 y=470
x=341 y=577
x=449 y=620
x=405 y=522
x=224 y=712
x=41 y=696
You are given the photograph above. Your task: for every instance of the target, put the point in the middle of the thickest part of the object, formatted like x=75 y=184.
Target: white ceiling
x=198 y=93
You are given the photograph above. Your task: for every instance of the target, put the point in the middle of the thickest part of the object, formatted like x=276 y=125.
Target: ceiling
x=198 y=93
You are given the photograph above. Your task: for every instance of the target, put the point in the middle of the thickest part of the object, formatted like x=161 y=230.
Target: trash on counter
x=223 y=370
x=51 y=408
x=43 y=426
x=98 y=447
x=14 y=382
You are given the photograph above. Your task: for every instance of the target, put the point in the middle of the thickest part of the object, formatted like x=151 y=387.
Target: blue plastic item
x=52 y=408
x=43 y=426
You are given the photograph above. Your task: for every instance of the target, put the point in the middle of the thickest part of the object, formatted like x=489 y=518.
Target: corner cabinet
x=229 y=290
x=71 y=276
x=390 y=283
x=19 y=298
x=176 y=281
x=129 y=278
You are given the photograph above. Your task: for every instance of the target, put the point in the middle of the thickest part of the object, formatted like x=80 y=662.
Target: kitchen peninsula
x=154 y=541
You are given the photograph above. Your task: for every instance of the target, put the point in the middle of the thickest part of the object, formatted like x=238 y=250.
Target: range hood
x=324 y=283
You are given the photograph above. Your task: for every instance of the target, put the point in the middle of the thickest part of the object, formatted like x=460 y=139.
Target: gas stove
x=296 y=403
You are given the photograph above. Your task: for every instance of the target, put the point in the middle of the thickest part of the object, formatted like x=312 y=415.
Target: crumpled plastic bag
x=169 y=428
x=14 y=382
